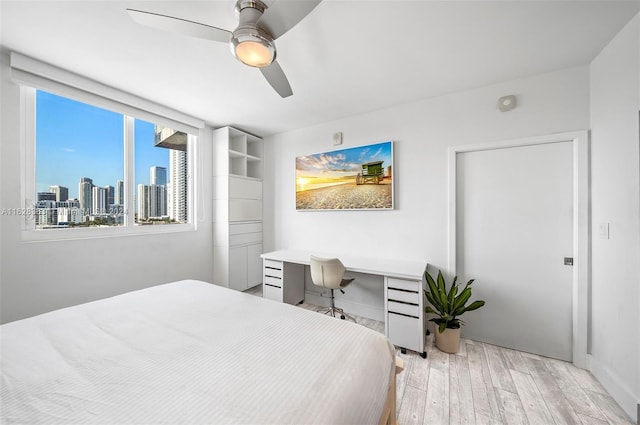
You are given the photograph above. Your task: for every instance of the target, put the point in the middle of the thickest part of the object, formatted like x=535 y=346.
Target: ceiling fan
x=252 y=42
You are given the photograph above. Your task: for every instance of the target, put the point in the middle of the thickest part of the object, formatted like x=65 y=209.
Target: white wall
x=41 y=276
x=422 y=131
x=615 y=199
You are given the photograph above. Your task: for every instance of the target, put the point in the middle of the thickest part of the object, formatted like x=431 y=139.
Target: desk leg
x=293 y=283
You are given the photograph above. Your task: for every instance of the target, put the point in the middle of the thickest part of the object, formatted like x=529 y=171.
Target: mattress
x=193 y=353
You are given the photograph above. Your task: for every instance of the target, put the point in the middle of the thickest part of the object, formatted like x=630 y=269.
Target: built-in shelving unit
x=237 y=208
x=245 y=154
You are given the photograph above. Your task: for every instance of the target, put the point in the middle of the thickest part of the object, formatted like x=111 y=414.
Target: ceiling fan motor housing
x=257 y=5
x=249 y=43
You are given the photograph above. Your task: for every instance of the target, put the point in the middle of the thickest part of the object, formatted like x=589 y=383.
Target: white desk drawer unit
x=272 y=283
x=277 y=272
x=405 y=314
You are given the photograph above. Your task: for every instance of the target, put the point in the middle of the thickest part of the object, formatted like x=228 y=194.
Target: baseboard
x=616 y=388
x=349 y=307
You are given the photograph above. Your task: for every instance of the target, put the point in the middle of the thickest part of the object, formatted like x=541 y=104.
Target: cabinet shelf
x=242 y=176
x=236 y=154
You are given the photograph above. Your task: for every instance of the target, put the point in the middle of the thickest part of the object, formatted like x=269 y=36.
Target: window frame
x=28 y=183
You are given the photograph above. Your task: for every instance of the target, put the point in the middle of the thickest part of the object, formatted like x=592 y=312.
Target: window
x=81 y=154
x=98 y=161
x=79 y=164
x=161 y=182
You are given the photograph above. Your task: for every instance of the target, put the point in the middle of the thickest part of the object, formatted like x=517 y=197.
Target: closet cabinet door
x=254 y=265
x=238 y=268
x=245 y=210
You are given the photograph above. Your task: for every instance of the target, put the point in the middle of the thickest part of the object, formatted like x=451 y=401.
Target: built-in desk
x=283 y=281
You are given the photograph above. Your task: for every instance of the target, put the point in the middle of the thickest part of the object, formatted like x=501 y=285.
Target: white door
x=514 y=229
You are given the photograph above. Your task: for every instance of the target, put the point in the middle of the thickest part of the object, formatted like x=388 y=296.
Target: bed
x=190 y=352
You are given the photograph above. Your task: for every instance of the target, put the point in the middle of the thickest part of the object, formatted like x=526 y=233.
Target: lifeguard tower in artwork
x=371 y=172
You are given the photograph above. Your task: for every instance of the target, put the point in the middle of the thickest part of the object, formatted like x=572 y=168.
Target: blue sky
x=343 y=162
x=75 y=140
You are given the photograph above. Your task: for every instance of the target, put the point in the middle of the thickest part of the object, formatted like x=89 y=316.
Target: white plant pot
x=448 y=341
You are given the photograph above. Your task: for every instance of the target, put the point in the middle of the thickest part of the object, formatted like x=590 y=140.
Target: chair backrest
x=327 y=272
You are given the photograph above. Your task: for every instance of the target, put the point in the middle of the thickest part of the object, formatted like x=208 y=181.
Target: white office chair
x=329 y=273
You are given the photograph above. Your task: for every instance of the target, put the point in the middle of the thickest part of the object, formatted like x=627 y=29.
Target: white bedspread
x=191 y=353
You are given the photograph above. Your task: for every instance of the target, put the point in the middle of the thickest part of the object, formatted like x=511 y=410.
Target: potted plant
x=448 y=304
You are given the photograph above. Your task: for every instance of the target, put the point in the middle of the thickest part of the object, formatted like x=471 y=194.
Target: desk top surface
x=404 y=269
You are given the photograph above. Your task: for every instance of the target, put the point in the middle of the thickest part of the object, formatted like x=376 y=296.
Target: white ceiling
x=345 y=58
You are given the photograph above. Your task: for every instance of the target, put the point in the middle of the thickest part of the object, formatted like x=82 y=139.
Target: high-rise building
x=85 y=188
x=70 y=203
x=99 y=201
x=110 y=196
x=178 y=186
x=46 y=213
x=118 y=198
x=158 y=176
x=152 y=201
x=117 y=209
x=143 y=202
x=157 y=191
x=67 y=215
x=45 y=196
x=62 y=193
x=157 y=201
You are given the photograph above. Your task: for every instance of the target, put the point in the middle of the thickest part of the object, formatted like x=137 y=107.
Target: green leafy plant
x=448 y=304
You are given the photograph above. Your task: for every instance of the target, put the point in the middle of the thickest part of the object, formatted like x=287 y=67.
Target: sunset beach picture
x=347 y=179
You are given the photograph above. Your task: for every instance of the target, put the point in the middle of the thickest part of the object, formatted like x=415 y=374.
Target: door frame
x=581 y=223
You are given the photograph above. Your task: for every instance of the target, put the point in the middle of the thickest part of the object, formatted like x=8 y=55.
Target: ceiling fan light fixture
x=253 y=46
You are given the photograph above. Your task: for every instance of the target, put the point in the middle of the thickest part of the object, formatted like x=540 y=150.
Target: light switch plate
x=603 y=230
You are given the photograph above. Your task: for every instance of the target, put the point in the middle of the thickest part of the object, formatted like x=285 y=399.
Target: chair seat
x=329 y=273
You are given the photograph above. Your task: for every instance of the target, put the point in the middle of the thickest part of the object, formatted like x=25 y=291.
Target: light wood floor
x=486 y=384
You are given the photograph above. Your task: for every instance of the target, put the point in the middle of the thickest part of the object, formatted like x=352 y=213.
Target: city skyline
x=100 y=205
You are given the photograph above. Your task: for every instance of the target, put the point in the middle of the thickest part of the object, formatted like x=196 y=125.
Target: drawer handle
x=273 y=277
x=273 y=286
x=405 y=315
x=403 y=302
x=403 y=290
x=272 y=268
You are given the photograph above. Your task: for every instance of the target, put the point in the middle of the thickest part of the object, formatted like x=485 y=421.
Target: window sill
x=52 y=235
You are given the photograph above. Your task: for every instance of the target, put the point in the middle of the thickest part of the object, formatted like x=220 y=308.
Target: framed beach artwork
x=358 y=178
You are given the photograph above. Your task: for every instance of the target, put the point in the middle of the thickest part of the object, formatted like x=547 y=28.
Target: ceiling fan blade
x=180 y=26
x=282 y=15
x=275 y=76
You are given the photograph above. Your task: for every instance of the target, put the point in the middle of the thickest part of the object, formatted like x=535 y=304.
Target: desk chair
x=329 y=273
